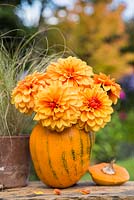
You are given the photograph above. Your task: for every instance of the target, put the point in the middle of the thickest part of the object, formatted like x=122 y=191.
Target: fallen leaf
x=57 y=191
x=38 y=192
x=85 y=191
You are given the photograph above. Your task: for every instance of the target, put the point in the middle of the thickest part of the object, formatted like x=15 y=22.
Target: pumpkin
x=60 y=159
x=108 y=174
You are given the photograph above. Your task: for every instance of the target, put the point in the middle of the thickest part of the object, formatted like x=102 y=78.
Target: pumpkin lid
x=108 y=174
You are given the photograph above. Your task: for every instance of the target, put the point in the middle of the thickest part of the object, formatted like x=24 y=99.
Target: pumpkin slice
x=108 y=174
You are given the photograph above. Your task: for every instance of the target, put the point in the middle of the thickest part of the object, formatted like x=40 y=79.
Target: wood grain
x=38 y=191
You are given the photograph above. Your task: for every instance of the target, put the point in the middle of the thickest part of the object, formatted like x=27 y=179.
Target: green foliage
x=129 y=165
x=128 y=126
x=108 y=140
x=86 y=177
x=115 y=141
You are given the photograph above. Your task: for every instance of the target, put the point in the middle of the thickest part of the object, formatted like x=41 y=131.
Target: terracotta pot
x=14 y=161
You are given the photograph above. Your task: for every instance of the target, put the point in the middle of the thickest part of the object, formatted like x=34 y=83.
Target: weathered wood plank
x=38 y=191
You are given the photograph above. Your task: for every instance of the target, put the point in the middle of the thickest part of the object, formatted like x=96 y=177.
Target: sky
x=129 y=12
x=30 y=14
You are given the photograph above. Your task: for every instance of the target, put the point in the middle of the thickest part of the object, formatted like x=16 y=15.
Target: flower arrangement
x=67 y=93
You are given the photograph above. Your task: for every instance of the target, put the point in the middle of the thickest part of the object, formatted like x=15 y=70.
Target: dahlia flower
x=71 y=70
x=24 y=93
x=57 y=106
x=113 y=89
x=67 y=93
x=95 y=110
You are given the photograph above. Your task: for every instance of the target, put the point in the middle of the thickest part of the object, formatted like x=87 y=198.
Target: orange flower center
x=94 y=102
x=70 y=73
x=30 y=86
x=53 y=105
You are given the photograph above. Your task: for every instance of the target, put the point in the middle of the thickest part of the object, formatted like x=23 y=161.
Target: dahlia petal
x=36 y=117
x=83 y=117
x=103 y=113
x=95 y=128
x=59 y=124
x=21 y=105
x=30 y=104
x=26 y=91
x=26 y=98
x=97 y=113
x=18 y=98
x=99 y=121
x=107 y=103
x=108 y=109
x=46 y=110
x=106 y=88
x=46 y=122
x=65 y=123
x=107 y=119
x=90 y=115
x=91 y=123
x=53 y=124
x=23 y=110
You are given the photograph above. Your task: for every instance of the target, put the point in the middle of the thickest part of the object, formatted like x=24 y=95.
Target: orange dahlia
x=95 y=110
x=113 y=89
x=71 y=70
x=24 y=93
x=56 y=106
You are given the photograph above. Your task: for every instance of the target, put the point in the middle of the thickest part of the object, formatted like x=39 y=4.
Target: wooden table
x=38 y=191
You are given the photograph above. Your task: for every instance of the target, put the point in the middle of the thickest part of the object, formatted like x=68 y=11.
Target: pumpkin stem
x=109 y=169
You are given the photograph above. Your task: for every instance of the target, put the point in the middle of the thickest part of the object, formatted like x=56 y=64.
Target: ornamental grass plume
x=67 y=93
x=19 y=56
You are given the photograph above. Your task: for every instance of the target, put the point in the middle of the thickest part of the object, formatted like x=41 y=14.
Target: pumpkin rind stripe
x=74 y=159
x=91 y=136
x=81 y=148
x=73 y=154
x=49 y=160
x=88 y=146
x=65 y=162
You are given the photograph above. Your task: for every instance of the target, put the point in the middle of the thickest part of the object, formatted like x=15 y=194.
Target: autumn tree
x=96 y=33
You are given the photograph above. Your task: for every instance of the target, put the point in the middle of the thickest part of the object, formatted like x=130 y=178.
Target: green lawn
x=128 y=164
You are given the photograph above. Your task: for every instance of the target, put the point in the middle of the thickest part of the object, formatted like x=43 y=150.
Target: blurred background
x=101 y=32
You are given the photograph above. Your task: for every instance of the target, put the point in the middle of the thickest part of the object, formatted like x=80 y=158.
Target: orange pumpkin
x=108 y=174
x=60 y=159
